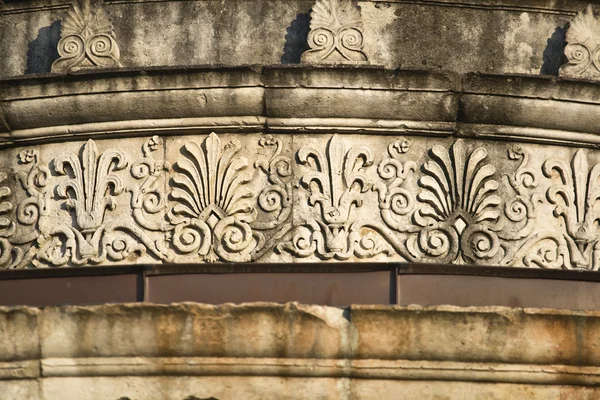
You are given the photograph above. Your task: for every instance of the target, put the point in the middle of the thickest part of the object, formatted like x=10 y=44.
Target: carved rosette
x=336 y=34
x=334 y=198
x=583 y=46
x=87 y=39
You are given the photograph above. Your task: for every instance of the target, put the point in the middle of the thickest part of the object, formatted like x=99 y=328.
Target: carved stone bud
x=87 y=39
x=583 y=46
x=336 y=34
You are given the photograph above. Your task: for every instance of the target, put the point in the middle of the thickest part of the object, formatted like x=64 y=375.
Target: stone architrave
x=87 y=39
x=583 y=46
x=336 y=34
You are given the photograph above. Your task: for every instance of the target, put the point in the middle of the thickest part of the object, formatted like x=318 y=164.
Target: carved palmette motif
x=460 y=212
x=336 y=33
x=583 y=46
x=87 y=39
x=215 y=199
x=336 y=183
x=212 y=208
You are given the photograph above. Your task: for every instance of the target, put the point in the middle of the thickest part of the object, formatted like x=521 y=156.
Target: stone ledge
x=455 y=334
x=323 y=368
x=548 y=351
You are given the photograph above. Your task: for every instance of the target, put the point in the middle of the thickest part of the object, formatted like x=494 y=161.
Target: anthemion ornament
x=87 y=39
x=336 y=34
x=583 y=46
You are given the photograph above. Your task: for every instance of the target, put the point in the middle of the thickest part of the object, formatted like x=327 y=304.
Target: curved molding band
x=338 y=99
x=299 y=165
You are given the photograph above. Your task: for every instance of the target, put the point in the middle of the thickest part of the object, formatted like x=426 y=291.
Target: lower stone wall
x=270 y=351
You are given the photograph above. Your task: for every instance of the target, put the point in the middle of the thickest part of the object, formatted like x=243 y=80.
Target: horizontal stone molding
x=323 y=368
x=295 y=164
x=279 y=99
x=382 y=344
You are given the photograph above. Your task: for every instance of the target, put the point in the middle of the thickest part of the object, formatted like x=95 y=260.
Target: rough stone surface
x=291 y=351
x=494 y=36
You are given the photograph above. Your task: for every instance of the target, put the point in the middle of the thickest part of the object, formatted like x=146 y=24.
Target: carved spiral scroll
x=103 y=50
x=193 y=237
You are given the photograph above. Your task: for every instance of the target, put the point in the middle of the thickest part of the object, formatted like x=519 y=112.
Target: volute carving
x=9 y=256
x=251 y=198
x=459 y=211
x=583 y=46
x=89 y=191
x=336 y=33
x=87 y=39
x=336 y=183
x=575 y=199
x=212 y=208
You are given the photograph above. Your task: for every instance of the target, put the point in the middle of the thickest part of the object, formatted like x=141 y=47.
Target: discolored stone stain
x=452 y=41
x=525 y=41
x=457 y=39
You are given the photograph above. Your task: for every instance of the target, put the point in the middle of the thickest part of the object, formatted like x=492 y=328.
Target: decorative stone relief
x=7 y=227
x=575 y=195
x=212 y=202
x=252 y=197
x=335 y=182
x=336 y=34
x=87 y=39
x=583 y=46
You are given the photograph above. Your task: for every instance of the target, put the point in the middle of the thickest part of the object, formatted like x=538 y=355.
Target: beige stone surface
x=15 y=345
x=300 y=197
x=291 y=351
x=20 y=389
x=496 y=36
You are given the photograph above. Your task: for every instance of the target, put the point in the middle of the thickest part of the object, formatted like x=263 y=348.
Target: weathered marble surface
x=299 y=164
x=491 y=36
x=302 y=197
x=269 y=351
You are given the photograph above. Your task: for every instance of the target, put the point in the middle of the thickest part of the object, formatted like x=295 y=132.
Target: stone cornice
x=286 y=99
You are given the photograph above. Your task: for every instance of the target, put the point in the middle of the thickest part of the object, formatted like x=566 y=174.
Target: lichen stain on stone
x=524 y=42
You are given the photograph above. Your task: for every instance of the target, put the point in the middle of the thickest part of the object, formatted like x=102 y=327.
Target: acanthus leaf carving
x=88 y=193
x=87 y=39
x=91 y=185
x=231 y=201
x=575 y=200
x=336 y=33
x=336 y=183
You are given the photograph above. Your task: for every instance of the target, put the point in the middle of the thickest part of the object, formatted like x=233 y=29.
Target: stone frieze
x=296 y=198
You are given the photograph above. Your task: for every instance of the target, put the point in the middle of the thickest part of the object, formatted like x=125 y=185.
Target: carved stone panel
x=299 y=198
